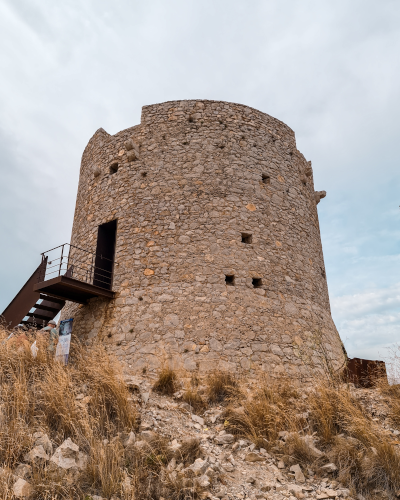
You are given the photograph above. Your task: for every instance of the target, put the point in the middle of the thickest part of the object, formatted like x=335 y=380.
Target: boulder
x=329 y=467
x=294 y=488
x=198 y=467
x=22 y=489
x=331 y=493
x=67 y=456
x=225 y=439
x=198 y=419
x=23 y=470
x=309 y=440
x=37 y=456
x=42 y=439
x=254 y=457
x=130 y=440
x=298 y=475
x=203 y=481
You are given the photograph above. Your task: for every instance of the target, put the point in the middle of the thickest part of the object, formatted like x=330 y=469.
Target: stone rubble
x=229 y=468
x=22 y=489
x=67 y=456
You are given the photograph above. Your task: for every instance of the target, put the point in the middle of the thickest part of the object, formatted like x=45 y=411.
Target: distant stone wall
x=193 y=180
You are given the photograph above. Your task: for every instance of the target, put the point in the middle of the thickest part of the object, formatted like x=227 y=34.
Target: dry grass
x=369 y=459
x=40 y=394
x=194 y=399
x=166 y=382
x=391 y=394
x=265 y=413
x=365 y=456
x=221 y=387
x=189 y=451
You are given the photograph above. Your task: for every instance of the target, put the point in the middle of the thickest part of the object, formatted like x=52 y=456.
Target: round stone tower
x=218 y=256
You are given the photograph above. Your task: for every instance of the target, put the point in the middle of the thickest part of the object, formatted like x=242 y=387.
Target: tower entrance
x=105 y=252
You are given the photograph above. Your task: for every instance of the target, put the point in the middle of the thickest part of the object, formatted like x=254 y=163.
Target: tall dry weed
x=361 y=444
x=86 y=401
x=222 y=387
x=265 y=412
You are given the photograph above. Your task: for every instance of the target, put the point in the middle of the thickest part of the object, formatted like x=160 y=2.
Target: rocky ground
x=170 y=450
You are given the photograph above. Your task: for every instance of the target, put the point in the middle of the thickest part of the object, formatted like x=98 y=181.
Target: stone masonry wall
x=193 y=179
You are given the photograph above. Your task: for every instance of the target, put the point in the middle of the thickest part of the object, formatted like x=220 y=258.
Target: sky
x=330 y=69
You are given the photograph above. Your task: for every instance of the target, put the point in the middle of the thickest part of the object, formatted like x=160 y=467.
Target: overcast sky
x=330 y=69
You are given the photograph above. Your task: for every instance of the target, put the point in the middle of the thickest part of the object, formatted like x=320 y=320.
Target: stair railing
x=77 y=263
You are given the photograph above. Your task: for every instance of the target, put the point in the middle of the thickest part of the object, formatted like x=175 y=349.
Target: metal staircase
x=66 y=273
x=32 y=308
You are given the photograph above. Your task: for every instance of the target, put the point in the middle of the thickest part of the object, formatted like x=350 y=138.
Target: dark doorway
x=105 y=251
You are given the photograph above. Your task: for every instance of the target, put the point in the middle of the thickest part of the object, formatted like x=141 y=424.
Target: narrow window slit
x=230 y=279
x=257 y=282
x=247 y=238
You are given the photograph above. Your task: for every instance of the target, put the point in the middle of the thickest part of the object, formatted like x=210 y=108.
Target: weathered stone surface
x=198 y=419
x=67 y=456
x=22 y=489
x=130 y=440
x=198 y=200
x=42 y=439
x=225 y=439
x=298 y=474
x=198 y=467
x=37 y=456
x=329 y=467
x=254 y=457
x=23 y=470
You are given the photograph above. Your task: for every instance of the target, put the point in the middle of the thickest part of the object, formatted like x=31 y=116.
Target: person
x=53 y=335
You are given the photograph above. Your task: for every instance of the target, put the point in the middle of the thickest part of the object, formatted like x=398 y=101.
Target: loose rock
x=22 y=489
x=67 y=456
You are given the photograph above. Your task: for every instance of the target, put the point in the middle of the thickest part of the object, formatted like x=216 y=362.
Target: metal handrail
x=71 y=263
x=73 y=246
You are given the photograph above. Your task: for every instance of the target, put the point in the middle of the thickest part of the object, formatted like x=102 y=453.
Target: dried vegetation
x=89 y=402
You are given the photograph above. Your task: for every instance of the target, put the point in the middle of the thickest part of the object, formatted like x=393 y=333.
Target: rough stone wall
x=192 y=178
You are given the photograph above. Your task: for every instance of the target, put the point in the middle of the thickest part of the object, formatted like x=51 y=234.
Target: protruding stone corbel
x=318 y=195
x=133 y=149
x=308 y=170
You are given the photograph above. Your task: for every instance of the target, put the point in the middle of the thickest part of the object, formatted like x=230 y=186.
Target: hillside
x=89 y=430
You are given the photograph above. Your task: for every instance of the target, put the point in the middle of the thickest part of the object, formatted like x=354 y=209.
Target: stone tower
x=218 y=256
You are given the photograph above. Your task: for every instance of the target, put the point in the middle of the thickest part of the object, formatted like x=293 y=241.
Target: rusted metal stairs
x=71 y=273
x=32 y=308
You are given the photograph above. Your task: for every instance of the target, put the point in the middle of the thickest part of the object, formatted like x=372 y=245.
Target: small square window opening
x=230 y=279
x=247 y=238
x=114 y=168
x=257 y=282
x=266 y=179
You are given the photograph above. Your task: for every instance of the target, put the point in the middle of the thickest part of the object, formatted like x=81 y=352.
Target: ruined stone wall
x=194 y=179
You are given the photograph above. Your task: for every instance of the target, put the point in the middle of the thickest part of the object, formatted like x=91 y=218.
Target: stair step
x=48 y=308
x=52 y=299
x=39 y=316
